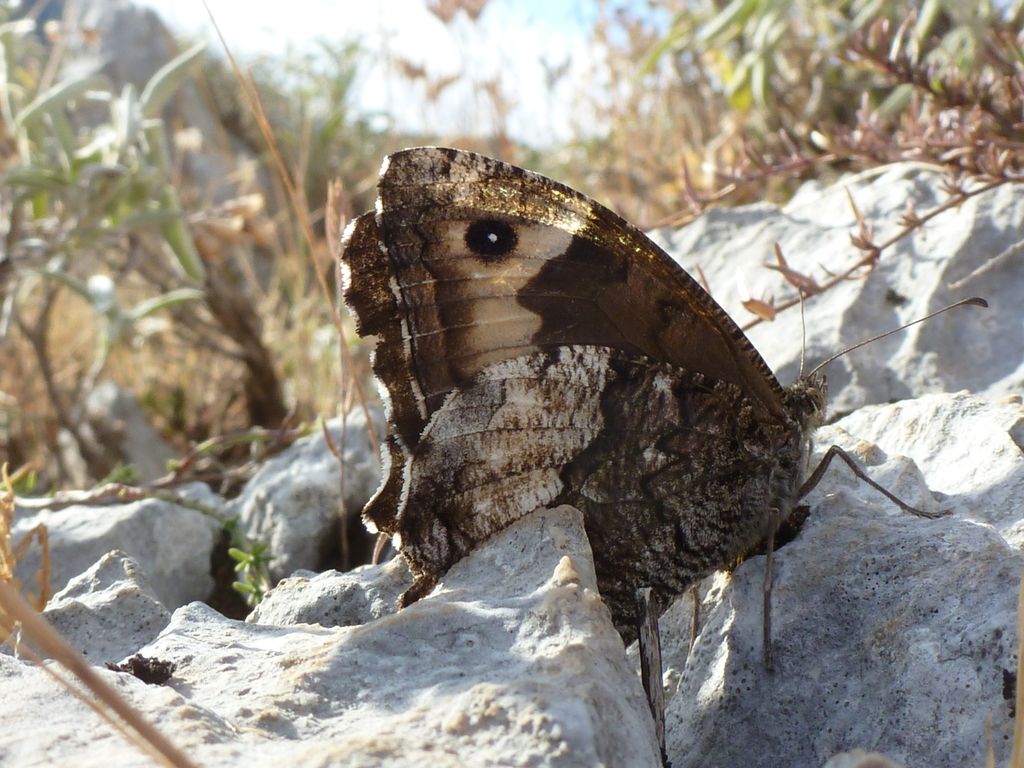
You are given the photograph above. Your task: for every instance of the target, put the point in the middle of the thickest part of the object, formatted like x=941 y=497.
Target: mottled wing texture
x=676 y=474
x=534 y=348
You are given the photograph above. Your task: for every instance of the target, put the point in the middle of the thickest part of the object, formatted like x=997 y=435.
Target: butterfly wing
x=562 y=270
x=468 y=262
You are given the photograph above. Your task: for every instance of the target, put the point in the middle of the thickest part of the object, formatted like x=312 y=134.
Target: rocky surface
x=894 y=637
x=108 y=612
x=961 y=253
x=172 y=544
x=334 y=599
x=878 y=615
x=295 y=500
x=513 y=661
x=117 y=428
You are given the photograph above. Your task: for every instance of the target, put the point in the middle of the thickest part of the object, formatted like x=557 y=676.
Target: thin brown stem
x=874 y=250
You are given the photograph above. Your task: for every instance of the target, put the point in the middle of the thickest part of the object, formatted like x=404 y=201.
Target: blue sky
x=513 y=41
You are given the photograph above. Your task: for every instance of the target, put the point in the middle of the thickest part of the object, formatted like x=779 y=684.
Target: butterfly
x=535 y=349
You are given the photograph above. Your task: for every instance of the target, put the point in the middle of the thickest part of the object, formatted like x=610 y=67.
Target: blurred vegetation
x=141 y=245
x=748 y=98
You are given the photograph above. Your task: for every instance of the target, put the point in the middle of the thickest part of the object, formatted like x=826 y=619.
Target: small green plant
x=252 y=564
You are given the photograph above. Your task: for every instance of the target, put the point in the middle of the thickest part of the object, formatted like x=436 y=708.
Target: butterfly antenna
x=972 y=302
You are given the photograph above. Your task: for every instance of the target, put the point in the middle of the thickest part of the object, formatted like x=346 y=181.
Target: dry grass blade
x=703 y=280
x=295 y=200
x=298 y=208
x=339 y=212
x=6 y=522
x=142 y=733
x=10 y=554
x=41 y=536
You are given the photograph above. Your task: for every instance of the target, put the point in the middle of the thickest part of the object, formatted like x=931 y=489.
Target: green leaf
x=897 y=101
x=179 y=240
x=34 y=178
x=759 y=82
x=166 y=80
x=122 y=473
x=104 y=138
x=140 y=219
x=76 y=285
x=54 y=98
x=65 y=135
x=125 y=117
x=726 y=23
x=176 y=232
x=767 y=31
x=739 y=79
x=163 y=301
x=926 y=18
x=678 y=34
x=959 y=44
x=866 y=13
x=26 y=484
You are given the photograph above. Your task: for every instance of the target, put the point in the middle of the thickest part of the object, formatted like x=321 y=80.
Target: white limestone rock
x=116 y=427
x=108 y=612
x=294 y=502
x=172 y=544
x=858 y=758
x=333 y=599
x=891 y=633
x=513 y=660
x=974 y=349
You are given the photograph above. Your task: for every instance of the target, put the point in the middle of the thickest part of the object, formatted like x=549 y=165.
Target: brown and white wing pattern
x=675 y=473
x=535 y=348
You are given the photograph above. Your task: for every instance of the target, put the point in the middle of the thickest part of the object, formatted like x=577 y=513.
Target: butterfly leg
x=379 y=546
x=819 y=472
x=649 y=640
x=834 y=452
x=766 y=592
x=422 y=587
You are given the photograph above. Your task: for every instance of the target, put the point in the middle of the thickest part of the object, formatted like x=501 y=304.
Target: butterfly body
x=534 y=349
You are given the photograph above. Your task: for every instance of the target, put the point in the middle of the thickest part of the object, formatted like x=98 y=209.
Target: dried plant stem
x=119 y=493
x=297 y=204
x=873 y=251
x=9 y=555
x=946 y=90
x=36 y=334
